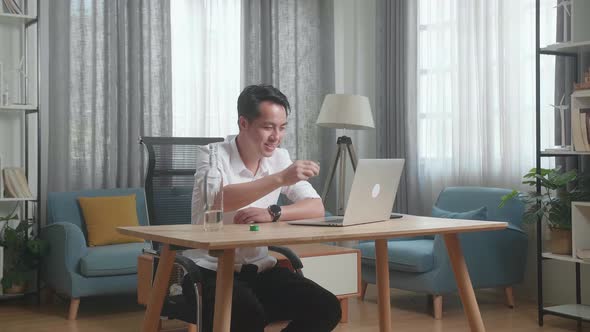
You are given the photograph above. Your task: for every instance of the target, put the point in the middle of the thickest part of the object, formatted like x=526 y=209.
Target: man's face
x=266 y=131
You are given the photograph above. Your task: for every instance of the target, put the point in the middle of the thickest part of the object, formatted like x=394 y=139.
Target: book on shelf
x=558 y=149
x=583 y=254
x=581 y=129
x=1 y=180
x=1 y=267
x=15 y=183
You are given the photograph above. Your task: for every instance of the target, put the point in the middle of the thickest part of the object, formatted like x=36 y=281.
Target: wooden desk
x=222 y=244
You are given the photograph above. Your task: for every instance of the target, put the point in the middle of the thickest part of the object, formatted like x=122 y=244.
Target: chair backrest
x=64 y=206
x=170 y=177
x=462 y=199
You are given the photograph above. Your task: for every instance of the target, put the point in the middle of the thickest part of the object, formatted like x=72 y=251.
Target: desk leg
x=464 y=283
x=223 y=289
x=382 y=266
x=151 y=320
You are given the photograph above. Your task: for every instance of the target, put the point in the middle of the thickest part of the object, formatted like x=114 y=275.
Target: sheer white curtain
x=475 y=101
x=205 y=66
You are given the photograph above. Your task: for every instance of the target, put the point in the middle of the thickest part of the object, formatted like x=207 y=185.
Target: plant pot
x=16 y=288
x=561 y=241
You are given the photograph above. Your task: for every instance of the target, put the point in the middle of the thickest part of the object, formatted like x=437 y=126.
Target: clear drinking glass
x=212 y=193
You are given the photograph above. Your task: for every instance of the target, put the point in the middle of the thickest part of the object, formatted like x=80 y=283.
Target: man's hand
x=252 y=215
x=300 y=170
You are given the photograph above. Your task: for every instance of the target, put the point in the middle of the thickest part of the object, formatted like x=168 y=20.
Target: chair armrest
x=290 y=255
x=191 y=268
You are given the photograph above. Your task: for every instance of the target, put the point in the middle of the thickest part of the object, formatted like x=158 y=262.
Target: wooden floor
x=410 y=313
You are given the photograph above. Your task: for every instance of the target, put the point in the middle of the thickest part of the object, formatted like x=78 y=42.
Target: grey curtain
x=290 y=44
x=110 y=75
x=394 y=61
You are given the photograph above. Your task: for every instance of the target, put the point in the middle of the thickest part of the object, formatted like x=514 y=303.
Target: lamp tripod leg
x=342 y=180
x=353 y=157
x=330 y=177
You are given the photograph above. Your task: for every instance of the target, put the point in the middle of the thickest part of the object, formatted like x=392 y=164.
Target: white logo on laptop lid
x=376 y=190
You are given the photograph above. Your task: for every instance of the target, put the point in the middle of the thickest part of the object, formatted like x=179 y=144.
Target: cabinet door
x=336 y=273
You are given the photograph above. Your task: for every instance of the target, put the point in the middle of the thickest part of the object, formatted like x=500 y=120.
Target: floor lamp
x=343 y=112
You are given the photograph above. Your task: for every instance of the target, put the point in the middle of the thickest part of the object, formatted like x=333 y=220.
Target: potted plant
x=553 y=203
x=22 y=253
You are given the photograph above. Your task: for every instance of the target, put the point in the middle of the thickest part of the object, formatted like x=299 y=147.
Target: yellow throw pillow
x=104 y=214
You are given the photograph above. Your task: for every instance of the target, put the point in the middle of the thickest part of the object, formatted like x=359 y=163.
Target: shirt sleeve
x=202 y=165
x=300 y=190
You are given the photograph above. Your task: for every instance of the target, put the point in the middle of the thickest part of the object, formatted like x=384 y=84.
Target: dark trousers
x=273 y=295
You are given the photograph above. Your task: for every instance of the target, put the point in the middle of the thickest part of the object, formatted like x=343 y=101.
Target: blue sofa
x=494 y=259
x=76 y=270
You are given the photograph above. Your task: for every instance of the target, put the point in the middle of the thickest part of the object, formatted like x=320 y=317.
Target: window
x=205 y=66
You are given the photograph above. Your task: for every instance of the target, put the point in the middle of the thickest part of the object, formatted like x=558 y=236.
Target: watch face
x=275 y=209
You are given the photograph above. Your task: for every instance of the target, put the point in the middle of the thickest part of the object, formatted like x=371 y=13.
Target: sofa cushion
x=407 y=256
x=113 y=260
x=104 y=214
x=477 y=214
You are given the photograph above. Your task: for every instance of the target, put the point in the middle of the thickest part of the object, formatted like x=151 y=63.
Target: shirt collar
x=237 y=164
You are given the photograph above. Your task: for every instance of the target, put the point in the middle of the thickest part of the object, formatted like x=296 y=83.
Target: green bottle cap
x=254 y=228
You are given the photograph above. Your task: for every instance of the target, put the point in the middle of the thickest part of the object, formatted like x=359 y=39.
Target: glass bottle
x=212 y=193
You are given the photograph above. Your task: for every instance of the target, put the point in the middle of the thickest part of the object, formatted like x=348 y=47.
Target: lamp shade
x=346 y=111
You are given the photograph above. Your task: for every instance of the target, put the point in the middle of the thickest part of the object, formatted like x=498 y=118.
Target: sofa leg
x=192 y=328
x=437 y=305
x=364 y=286
x=73 y=312
x=509 y=297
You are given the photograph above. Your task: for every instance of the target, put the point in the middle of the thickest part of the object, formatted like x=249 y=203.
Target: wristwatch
x=275 y=212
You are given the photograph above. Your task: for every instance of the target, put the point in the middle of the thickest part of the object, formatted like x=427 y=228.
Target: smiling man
x=256 y=171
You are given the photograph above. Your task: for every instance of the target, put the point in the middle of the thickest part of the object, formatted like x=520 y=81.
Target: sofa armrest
x=67 y=245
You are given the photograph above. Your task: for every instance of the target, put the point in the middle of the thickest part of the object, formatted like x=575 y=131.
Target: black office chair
x=169 y=186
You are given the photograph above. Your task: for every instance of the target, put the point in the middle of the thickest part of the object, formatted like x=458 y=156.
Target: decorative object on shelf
x=2 y=101
x=554 y=203
x=20 y=97
x=567 y=16
x=562 y=108
x=23 y=252
x=583 y=254
x=580 y=120
x=12 y=7
x=1 y=268
x=15 y=183
x=585 y=83
x=1 y=180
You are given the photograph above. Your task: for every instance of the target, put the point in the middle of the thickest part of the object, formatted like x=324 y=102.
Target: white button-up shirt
x=234 y=171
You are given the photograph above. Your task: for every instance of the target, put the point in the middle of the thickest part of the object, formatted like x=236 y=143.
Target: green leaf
x=513 y=194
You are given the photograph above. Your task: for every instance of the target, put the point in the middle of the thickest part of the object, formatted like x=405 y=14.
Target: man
x=256 y=171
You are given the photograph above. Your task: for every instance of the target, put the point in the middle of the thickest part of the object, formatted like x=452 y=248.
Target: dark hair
x=253 y=95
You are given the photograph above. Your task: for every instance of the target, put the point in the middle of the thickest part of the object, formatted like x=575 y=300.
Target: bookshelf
x=19 y=113
x=576 y=41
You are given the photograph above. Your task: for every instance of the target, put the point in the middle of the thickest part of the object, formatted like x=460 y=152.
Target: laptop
x=372 y=195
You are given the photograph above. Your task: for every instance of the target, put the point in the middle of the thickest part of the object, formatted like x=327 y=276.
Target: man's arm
x=236 y=196
x=303 y=209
